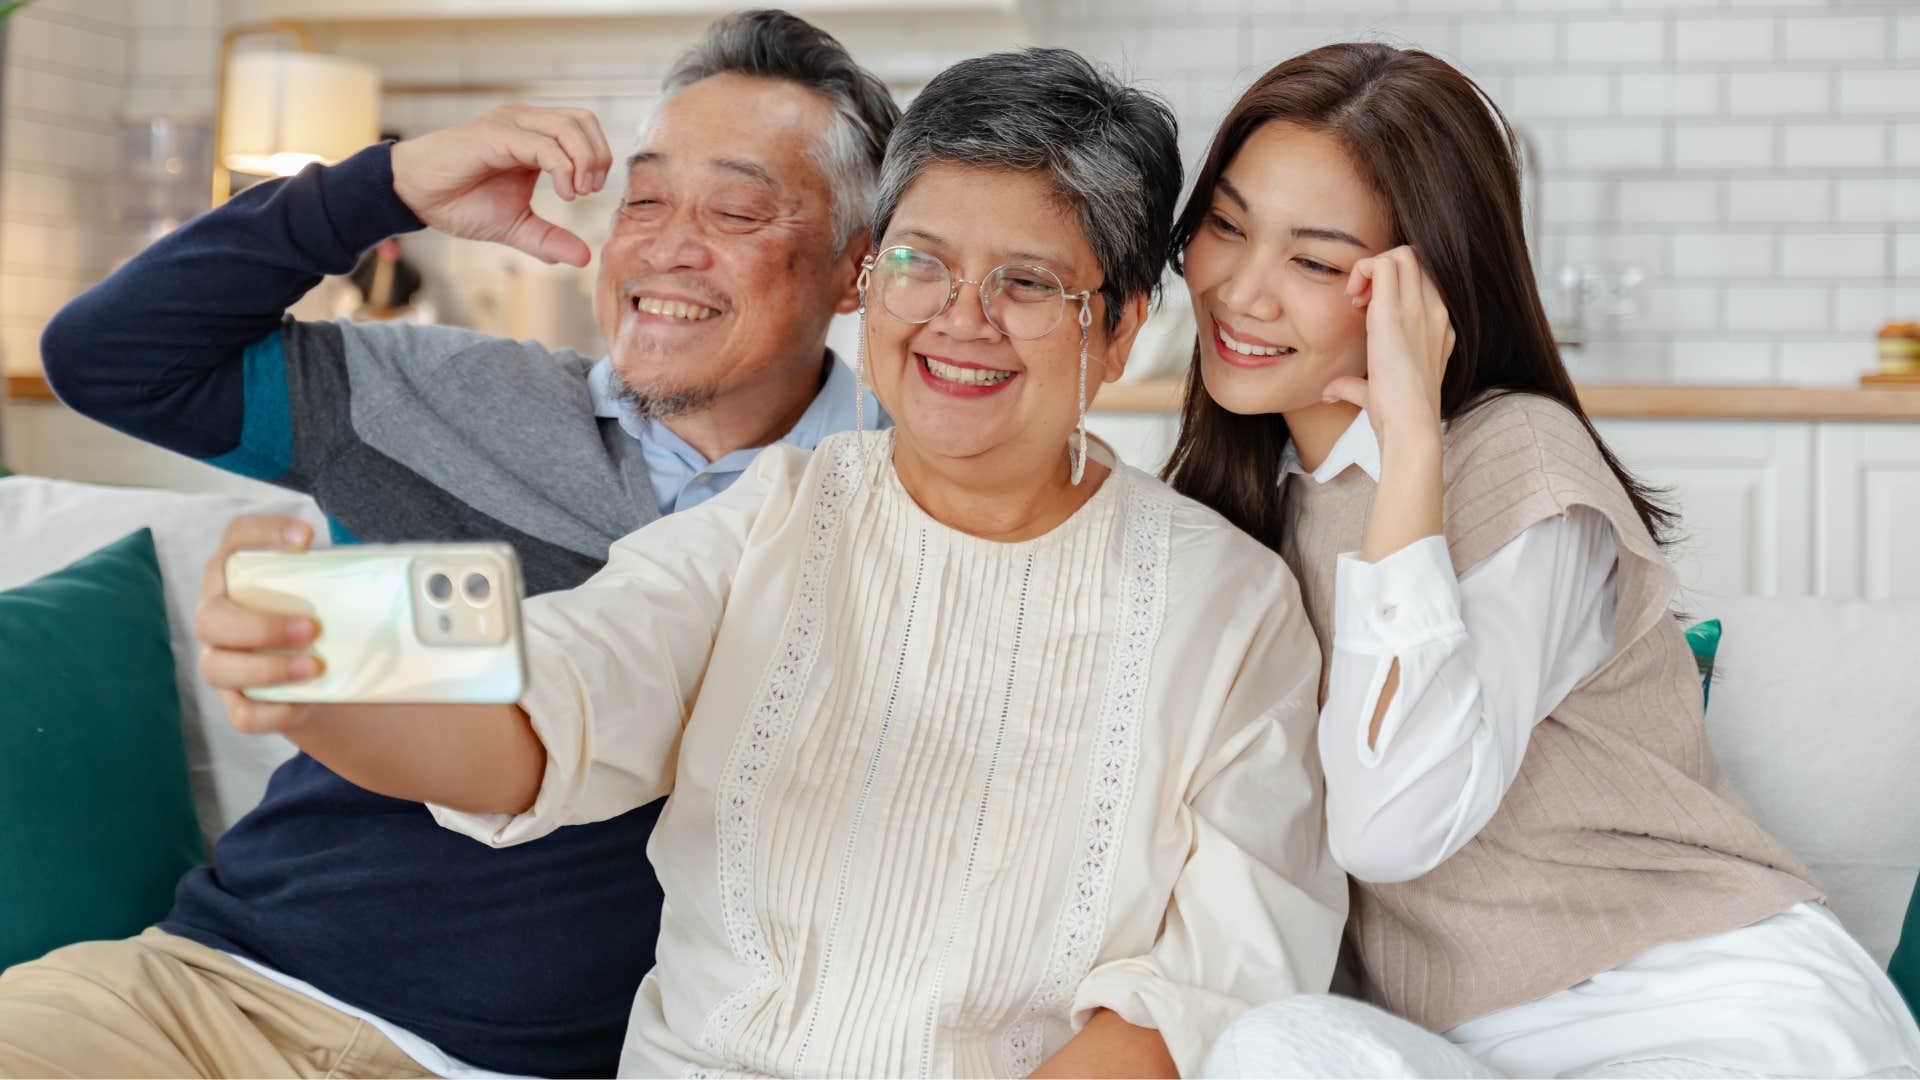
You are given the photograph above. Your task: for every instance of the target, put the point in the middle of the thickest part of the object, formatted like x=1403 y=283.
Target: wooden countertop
x=1601 y=399
x=1624 y=400
x=29 y=388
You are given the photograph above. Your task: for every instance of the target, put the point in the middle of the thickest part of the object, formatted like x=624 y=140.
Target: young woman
x=1549 y=867
x=949 y=791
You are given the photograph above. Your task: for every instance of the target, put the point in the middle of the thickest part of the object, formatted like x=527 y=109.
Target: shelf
x=1629 y=401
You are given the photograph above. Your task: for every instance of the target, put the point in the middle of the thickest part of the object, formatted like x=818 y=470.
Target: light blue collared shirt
x=682 y=476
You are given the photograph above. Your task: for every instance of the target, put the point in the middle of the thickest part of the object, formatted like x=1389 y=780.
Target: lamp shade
x=285 y=110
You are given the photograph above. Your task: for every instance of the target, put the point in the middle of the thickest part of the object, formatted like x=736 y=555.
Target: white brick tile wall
x=1621 y=41
x=1756 y=159
x=1751 y=309
x=1779 y=93
x=1723 y=255
x=1879 y=200
x=1863 y=308
x=1906 y=145
x=1906 y=37
x=1680 y=202
x=1720 y=39
x=1675 y=309
x=1834 y=37
x=1865 y=93
x=1644 y=251
x=1510 y=44
x=1612 y=147
x=1828 y=256
x=1659 y=94
x=1832 y=361
x=1833 y=146
x=1574 y=202
x=66 y=77
x=1531 y=96
x=1722 y=146
x=1760 y=202
x=1721 y=361
x=1906 y=254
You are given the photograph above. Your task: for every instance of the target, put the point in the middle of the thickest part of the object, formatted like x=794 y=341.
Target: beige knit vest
x=1620 y=832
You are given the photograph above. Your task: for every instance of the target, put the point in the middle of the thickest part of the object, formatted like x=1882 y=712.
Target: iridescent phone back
x=398 y=622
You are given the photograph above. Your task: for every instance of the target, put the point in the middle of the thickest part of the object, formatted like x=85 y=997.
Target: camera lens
x=477 y=588
x=439 y=588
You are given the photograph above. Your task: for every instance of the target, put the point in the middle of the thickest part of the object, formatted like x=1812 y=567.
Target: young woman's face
x=1268 y=267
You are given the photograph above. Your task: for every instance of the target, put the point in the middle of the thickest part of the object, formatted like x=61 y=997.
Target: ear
x=846 y=267
x=1133 y=315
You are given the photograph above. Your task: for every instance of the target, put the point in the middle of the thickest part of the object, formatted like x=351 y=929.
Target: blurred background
x=1724 y=199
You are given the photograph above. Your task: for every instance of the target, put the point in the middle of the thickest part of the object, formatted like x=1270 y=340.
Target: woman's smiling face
x=957 y=387
x=1268 y=267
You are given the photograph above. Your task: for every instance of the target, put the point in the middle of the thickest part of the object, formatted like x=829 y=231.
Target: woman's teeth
x=1244 y=349
x=966 y=376
x=673 y=309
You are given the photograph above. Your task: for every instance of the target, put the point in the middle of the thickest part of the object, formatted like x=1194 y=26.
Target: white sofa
x=1815 y=711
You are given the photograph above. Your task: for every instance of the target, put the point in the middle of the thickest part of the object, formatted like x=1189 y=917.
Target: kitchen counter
x=1628 y=400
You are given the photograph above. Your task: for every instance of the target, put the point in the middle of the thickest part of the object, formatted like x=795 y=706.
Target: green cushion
x=1905 y=967
x=1704 y=640
x=96 y=814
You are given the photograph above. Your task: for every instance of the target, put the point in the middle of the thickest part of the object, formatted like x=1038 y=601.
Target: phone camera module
x=439 y=588
x=477 y=588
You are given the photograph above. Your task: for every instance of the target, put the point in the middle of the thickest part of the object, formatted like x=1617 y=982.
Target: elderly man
x=310 y=946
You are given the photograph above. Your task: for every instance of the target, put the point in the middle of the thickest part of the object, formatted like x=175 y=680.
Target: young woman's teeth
x=966 y=376
x=673 y=309
x=1253 y=350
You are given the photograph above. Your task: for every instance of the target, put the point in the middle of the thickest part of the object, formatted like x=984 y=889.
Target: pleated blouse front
x=934 y=798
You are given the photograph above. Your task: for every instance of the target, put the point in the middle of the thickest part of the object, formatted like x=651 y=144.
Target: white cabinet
x=1767 y=507
x=1743 y=489
x=1869 y=510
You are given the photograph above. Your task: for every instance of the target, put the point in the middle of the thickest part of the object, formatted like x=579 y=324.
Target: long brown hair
x=1440 y=157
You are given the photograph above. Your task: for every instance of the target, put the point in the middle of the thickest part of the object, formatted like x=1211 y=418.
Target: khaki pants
x=160 y=1005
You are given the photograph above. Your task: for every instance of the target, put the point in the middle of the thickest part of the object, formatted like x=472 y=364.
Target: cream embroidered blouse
x=933 y=799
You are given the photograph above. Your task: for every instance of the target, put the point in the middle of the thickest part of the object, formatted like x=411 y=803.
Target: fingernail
x=296 y=534
x=1328 y=400
x=304 y=667
x=300 y=628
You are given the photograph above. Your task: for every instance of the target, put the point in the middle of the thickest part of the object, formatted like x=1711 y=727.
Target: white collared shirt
x=1483 y=658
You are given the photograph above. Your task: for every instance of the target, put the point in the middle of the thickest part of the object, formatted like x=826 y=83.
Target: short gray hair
x=1110 y=151
x=771 y=44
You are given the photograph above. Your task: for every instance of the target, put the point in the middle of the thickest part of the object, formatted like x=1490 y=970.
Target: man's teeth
x=673 y=309
x=966 y=376
x=1244 y=349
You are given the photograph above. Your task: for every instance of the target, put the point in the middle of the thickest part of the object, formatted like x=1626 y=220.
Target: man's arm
x=156 y=350
x=159 y=349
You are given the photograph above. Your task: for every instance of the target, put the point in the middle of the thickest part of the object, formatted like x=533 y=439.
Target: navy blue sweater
x=524 y=959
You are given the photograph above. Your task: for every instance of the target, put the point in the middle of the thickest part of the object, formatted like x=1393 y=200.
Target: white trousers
x=1793 y=995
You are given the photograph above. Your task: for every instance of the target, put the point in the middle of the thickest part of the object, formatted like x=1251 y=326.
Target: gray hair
x=771 y=44
x=1110 y=151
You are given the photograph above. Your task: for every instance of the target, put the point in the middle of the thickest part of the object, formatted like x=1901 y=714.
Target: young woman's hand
x=1409 y=338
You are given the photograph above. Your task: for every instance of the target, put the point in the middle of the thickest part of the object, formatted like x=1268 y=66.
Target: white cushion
x=49 y=524
x=1815 y=716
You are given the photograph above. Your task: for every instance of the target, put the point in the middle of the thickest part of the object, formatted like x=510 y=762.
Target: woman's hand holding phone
x=480 y=758
x=235 y=640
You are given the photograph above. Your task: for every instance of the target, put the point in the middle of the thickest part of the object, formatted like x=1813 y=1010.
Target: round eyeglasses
x=1021 y=300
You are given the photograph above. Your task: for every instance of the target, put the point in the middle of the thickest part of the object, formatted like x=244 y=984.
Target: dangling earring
x=1080 y=429
x=860 y=368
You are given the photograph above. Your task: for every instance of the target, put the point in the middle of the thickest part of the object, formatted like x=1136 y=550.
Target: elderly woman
x=983 y=752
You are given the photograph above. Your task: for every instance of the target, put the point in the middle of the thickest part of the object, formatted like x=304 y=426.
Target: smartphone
x=421 y=623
